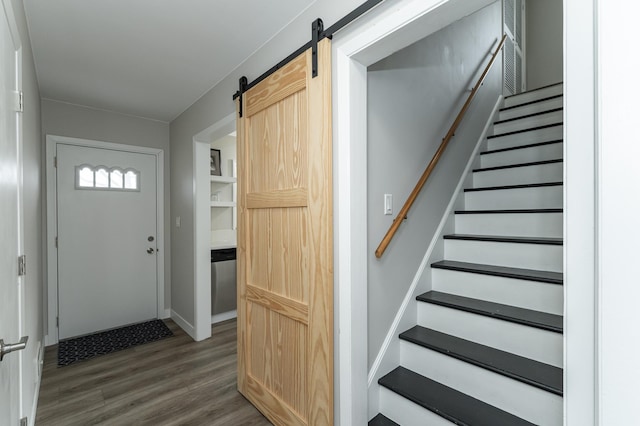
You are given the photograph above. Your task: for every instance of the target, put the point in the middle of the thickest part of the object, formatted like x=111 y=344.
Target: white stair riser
x=502 y=392
x=541 y=173
x=525 y=138
x=534 y=343
x=543 y=197
x=528 y=122
x=535 y=295
x=510 y=101
x=407 y=413
x=524 y=155
x=541 y=257
x=531 y=108
x=510 y=224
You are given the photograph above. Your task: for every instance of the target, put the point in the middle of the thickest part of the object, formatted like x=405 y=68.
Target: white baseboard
x=224 y=316
x=184 y=324
x=165 y=314
x=50 y=340
x=389 y=354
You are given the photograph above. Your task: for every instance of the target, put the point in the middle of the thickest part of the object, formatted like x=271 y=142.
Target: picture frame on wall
x=215 y=162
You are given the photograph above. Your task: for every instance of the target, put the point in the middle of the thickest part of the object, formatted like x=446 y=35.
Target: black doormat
x=86 y=347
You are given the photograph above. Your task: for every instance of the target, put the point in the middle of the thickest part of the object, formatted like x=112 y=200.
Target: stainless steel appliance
x=223 y=280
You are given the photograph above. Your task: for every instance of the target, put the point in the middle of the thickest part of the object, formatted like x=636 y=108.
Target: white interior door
x=10 y=228
x=107 y=239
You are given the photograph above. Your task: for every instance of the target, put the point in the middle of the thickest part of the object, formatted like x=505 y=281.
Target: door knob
x=150 y=250
x=6 y=348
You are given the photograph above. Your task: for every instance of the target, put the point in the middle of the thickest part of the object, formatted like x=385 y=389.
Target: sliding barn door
x=285 y=244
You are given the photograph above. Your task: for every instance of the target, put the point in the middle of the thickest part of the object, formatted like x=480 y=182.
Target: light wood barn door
x=285 y=244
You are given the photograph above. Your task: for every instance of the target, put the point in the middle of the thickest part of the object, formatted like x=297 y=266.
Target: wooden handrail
x=436 y=157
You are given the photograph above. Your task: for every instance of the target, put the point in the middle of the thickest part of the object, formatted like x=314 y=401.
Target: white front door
x=10 y=228
x=107 y=239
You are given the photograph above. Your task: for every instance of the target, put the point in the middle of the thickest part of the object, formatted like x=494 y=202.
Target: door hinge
x=24 y=421
x=57 y=321
x=55 y=162
x=56 y=242
x=19 y=101
x=22 y=265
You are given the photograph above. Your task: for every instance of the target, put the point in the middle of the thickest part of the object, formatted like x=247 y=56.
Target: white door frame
x=51 y=295
x=387 y=29
x=22 y=360
x=201 y=328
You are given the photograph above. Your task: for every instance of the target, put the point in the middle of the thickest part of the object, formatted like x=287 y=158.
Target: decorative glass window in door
x=110 y=179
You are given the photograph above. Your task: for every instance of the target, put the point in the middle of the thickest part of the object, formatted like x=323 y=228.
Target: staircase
x=487 y=347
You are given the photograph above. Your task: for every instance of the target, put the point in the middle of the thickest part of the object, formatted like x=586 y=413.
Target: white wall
x=212 y=107
x=413 y=97
x=618 y=203
x=33 y=217
x=543 y=42
x=64 y=119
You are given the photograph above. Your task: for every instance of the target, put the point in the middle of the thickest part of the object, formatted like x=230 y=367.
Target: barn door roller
x=317 y=33
x=317 y=27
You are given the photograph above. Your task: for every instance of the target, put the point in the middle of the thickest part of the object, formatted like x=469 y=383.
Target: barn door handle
x=12 y=347
x=150 y=250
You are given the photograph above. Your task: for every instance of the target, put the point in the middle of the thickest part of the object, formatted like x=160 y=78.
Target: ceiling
x=149 y=58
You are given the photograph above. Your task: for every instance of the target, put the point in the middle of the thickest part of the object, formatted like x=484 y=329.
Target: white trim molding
x=224 y=316
x=579 y=219
x=202 y=224
x=51 y=294
x=184 y=324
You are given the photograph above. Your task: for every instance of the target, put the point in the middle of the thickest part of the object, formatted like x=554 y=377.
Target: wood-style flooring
x=174 y=381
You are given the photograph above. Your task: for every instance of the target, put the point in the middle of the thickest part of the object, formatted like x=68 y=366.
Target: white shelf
x=223 y=204
x=223 y=179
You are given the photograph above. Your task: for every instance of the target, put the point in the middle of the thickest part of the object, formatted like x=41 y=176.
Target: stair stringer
x=388 y=356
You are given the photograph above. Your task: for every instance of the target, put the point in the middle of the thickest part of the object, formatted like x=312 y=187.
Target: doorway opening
x=215 y=220
x=354 y=51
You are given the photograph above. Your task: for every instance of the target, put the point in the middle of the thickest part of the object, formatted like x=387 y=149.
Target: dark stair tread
x=381 y=420
x=501 y=271
x=543 y=376
x=522 y=117
x=509 y=313
x=535 y=90
x=513 y=166
x=455 y=406
x=505 y=239
x=508 y=211
x=521 y=186
x=530 y=145
x=548 y=98
x=531 y=129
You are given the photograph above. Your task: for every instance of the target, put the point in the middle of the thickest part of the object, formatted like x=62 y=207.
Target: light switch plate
x=388 y=204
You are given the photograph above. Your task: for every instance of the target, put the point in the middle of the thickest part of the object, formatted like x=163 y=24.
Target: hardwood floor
x=174 y=381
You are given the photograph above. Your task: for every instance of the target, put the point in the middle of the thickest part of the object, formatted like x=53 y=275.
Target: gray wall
x=33 y=181
x=63 y=119
x=413 y=97
x=543 y=42
x=211 y=108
